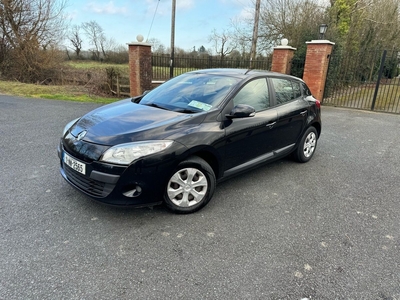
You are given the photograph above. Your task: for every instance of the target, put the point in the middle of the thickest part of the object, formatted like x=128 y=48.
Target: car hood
x=125 y=121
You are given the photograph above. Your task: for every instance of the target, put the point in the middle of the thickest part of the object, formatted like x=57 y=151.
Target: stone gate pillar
x=316 y=66
x=282 y=58
x=140 y=68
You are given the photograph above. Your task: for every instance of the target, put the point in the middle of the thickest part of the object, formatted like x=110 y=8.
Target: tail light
x=318 y=103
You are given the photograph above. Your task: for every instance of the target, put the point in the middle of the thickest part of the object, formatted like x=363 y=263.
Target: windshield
x=190 y=93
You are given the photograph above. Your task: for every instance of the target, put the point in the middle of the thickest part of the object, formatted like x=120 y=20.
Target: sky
x=195 y=20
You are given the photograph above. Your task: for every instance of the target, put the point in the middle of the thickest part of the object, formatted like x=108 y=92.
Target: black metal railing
x=162 y=63
x=297 y=66
x=364 y=80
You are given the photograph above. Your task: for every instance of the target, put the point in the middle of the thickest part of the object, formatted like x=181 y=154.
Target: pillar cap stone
x=138 y=44
x=139 y=41
x=285 y=48
x=321 y=42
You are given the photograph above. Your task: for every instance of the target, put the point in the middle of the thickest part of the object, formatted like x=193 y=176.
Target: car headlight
x=124 y=154
x=69 y=125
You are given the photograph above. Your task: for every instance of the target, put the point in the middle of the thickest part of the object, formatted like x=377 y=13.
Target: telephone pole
x=255 y=33
x=171 y=67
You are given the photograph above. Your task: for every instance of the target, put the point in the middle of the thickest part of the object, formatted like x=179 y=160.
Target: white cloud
x=164 y=7
x=184 y=4
x=106 y=8
x=247 y=13
x=72 y=15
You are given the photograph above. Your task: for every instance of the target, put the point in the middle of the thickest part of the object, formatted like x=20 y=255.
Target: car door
x=251 y=138
x=291 y=108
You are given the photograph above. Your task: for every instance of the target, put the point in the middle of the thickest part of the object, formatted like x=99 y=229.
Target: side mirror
x=136 y=99
x=242 y=111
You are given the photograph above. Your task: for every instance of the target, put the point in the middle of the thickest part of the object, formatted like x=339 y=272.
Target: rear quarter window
x=306 y=90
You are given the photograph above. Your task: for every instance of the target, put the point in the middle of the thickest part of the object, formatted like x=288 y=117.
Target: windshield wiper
x=156 y=105
x=187 y=111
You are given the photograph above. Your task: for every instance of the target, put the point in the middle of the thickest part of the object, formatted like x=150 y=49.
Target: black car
x=174 y=143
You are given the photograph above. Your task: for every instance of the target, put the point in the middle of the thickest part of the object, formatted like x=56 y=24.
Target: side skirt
x=258 y=161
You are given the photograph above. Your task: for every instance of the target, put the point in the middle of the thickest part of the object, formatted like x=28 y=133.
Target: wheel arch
x=210 y=158
x=192 y=185
x=209 y=155
x=317 y=126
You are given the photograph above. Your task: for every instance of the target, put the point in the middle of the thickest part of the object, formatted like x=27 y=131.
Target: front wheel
x=307 y=146
x=190 y=187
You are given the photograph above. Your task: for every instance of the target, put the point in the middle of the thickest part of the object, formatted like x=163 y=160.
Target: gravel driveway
x=328 y=229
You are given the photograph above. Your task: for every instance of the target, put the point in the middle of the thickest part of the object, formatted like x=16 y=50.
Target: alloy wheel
x=309 y=144
x=187 y=187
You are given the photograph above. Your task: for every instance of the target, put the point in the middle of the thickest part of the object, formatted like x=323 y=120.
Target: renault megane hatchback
x=176 y=142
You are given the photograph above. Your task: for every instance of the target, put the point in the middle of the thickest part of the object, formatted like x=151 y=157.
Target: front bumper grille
x=90 y=186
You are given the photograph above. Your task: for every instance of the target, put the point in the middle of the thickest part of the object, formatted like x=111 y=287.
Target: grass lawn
x=95 y=65
x=64 y=92
x=388 y=97
x=79 y=93
x=55 y=92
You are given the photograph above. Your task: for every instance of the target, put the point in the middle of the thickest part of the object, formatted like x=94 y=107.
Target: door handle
x=270 y=125
x=303 y=113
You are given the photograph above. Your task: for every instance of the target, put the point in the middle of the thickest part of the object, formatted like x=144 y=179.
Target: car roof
x=242 y=73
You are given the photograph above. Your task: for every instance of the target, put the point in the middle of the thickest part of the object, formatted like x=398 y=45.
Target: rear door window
x=286 y=90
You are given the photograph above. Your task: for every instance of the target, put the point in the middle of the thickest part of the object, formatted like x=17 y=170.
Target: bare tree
x=242 y=36
x=95 y=34
x=366 y=24
x=296 y=20
x=102 y=46
x=74 y=37
x=107 y=46
x=29 y=33
x=156 y=46
x=39 y=20
x=118 y=54
x=223 y=42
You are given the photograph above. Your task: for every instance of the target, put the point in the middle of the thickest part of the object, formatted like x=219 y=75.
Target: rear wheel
x=307 y=146
x=191 y=186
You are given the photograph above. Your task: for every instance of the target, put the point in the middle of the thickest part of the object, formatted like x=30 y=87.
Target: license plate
x=74 y=164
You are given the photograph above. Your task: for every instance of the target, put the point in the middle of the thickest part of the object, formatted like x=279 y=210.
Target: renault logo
x=81 y=135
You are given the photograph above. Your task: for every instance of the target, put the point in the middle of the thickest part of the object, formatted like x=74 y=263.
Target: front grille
x=92 y=187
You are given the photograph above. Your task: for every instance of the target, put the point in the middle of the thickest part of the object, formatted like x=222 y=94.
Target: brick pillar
x=282 y=59
x=140 y=68
x=316 y=66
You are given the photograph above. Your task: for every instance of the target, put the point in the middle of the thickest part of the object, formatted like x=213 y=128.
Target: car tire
x=190 y=187
x=307 y=145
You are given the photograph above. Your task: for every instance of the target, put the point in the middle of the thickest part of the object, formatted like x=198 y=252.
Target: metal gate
x=364 y=80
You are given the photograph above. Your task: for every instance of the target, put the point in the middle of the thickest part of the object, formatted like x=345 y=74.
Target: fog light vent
x=135 y=192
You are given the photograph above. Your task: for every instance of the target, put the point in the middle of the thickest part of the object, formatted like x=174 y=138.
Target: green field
x=388 y=97
x=56 y=92
x=64 y=92
x=80 y=93
x=123 y=69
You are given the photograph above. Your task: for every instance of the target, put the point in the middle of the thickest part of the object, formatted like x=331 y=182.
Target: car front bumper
x=140 y=184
